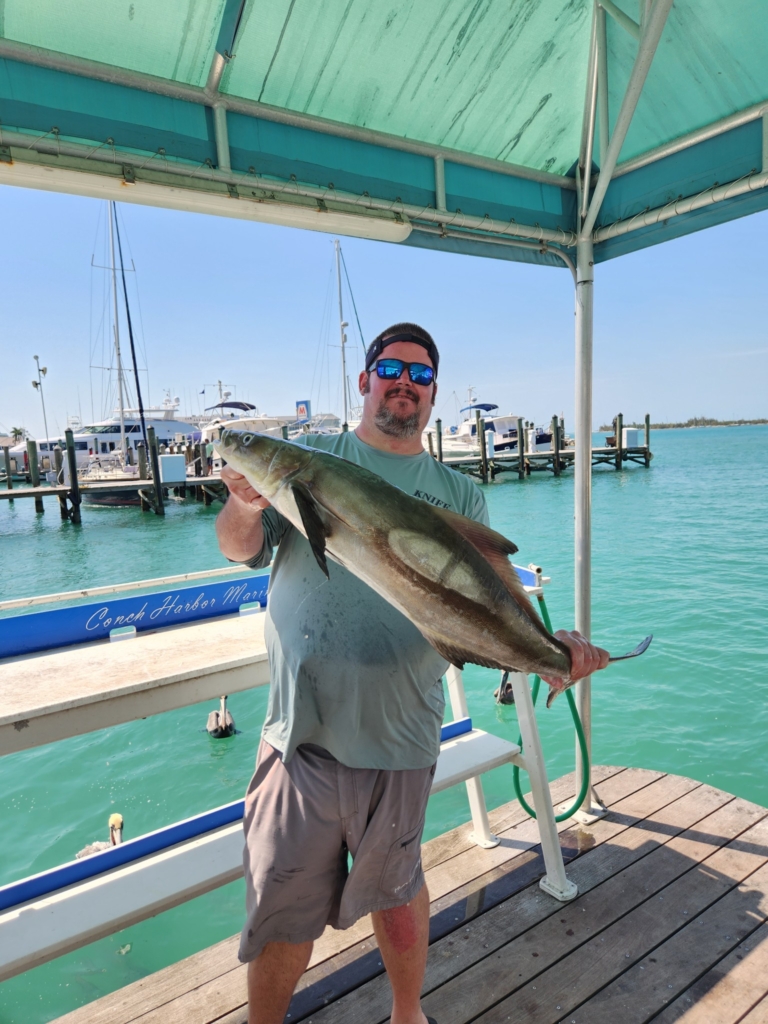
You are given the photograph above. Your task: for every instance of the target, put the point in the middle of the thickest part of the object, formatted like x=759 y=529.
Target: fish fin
x=553 y=692
x=457 y=655
x=314 y=526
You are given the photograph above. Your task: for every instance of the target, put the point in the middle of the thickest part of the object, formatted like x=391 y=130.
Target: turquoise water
x=679 y=551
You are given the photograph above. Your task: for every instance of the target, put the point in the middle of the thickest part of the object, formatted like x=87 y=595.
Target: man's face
x=400 y=407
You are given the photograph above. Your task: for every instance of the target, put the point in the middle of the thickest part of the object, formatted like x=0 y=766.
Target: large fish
x=450 y=575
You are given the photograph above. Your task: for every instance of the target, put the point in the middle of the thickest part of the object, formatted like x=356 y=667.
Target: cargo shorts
x=303 y=820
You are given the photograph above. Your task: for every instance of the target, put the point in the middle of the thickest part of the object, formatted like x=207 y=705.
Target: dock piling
x=555 y=429
x=159 y=508
x=439 y=438
x=647 y=439
x=34 y=472
x=284 y=431
x=8 y=474
x=480 y=423
x=58 y=464
x=520 y=449
x=430 y=444
x=74 y=484
x=619 y=439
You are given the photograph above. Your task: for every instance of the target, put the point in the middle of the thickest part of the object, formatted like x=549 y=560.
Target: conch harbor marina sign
x=61 y=627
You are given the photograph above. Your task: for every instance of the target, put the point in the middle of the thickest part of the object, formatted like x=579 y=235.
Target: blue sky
x=680 y=329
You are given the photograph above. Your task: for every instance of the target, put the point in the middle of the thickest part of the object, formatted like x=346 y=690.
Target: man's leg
x=403 y=937
x=272 y=977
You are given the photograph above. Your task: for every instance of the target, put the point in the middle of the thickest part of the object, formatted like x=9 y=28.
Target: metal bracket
x=129 y=174
x=568 y=892
x=233 y=193
x=5 y=155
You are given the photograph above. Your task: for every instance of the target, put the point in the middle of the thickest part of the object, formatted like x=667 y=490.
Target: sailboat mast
x=121 y=399
x=130 y=332
x=342 y=325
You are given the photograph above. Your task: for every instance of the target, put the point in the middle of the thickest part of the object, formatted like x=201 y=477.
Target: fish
x=450 y=575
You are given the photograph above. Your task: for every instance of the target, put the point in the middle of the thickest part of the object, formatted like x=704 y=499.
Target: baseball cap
x=379 y=344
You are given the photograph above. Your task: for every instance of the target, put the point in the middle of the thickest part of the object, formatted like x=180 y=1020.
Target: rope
x=579 y=733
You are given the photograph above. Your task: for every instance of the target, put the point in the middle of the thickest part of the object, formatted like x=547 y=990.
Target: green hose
x=579 y=733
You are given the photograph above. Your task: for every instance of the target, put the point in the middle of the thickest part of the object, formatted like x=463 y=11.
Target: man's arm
x=239 y=528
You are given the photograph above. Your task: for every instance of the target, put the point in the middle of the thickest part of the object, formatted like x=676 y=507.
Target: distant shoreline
x=697 y=421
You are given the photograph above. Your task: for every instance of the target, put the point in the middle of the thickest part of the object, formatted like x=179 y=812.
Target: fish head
x=268 y=463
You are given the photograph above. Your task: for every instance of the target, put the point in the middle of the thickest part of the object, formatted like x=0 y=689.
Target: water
x=678 y=551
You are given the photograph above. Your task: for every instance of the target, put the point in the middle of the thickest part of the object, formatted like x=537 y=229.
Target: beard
x=391 y=423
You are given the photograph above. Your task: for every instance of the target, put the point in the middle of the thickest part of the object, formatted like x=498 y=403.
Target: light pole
x=38 y=385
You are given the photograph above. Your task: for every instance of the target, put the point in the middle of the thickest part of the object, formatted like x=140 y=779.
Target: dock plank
x=675 y=964
x=757 y=1016
x=733 y=987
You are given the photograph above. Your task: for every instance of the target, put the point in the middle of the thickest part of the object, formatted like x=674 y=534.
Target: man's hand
x=238 y=525
x=585 y=657
x=239 y=488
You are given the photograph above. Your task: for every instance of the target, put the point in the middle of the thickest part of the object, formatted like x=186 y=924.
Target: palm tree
x=18 y=434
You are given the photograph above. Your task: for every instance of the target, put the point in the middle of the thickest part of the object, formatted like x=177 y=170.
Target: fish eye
x=247 y=438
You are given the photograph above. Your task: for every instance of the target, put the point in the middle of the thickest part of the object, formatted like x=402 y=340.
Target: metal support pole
x=74 y=485
x=440 y=183
x=222 y=137
x=439 y=437
x=603 y=114
x=8 y=474
x=583 y=499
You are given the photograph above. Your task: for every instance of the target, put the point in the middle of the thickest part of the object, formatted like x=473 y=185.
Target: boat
x=500 y=432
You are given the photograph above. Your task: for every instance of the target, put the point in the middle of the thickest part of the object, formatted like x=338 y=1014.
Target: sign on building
x=303 y=412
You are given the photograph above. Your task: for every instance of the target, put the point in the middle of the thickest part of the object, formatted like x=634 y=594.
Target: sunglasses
x=392 y=369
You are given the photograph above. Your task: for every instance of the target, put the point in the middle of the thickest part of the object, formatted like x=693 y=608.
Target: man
x=352 y=731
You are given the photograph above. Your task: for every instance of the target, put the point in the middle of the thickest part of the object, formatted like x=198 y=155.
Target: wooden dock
x=545 y=461
x=670 y=925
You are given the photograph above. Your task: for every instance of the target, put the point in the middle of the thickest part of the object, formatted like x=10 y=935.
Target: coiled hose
x=579 y=733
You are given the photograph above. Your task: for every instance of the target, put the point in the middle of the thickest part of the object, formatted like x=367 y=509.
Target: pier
x=670 y=924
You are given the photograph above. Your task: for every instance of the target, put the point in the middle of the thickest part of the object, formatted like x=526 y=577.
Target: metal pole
x=117 y=329
x=342 y=325
x=39 y=386
x=603 y=115
x=130 y=332
x=155 y=462
x=583 y=496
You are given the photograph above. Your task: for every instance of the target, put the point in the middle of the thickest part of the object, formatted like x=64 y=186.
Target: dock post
x=619 y=439
x=74 y=484
x=431 y=445
x=141 y=454
x=480 y=424
x=555 y=428
x=520 y=449
x=8 y=476
x=439 y=438
x=34 y=472
x=58 y=463
x=647 y=440
x=155 y=460
x=284 y=431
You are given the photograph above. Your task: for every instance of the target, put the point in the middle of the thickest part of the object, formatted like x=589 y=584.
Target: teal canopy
x=460 y=125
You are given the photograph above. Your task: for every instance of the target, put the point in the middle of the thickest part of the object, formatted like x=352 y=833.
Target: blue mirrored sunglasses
x=392 y=369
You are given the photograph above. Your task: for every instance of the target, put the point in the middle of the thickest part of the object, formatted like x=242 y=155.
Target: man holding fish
x=358 y=646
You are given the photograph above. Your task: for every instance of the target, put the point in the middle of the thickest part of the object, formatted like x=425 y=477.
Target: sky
x=681 y=329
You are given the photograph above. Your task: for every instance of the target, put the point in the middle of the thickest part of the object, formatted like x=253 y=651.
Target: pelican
x=115 y=838
x=221 y=723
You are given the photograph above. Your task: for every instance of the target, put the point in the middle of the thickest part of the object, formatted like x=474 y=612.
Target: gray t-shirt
x=349 y=672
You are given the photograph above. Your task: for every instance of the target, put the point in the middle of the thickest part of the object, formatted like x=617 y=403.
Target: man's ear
x=363 y=382
x=434 y=393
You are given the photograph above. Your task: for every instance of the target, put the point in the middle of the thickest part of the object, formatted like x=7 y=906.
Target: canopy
x=449 y=124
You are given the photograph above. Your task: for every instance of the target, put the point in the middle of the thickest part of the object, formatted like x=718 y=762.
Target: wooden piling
x=647 y=440
x=74 y=483
x=8 y=475
x=155 y=461
x=520 y=449
x=439 y=439
x=284 y=430
x=480 y=423
x=34 y=472
x=555 y=429
x=431 y=445
x=58 y=463
x=619 y=439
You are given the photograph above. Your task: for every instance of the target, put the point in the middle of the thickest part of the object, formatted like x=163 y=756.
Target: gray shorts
x=302 y=820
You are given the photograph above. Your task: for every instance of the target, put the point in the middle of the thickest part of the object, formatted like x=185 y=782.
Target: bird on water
x=115 y=838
